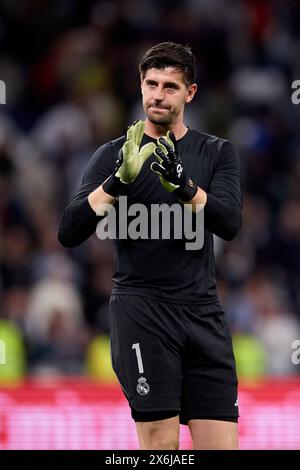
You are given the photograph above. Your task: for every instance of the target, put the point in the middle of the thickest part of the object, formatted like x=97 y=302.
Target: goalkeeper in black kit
x=170 y=343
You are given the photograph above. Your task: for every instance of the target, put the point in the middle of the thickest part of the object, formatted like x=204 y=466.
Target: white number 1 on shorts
x=136 y=346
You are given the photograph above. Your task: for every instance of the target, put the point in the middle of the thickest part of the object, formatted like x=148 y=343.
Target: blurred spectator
x=55 y=328
x=274 y=325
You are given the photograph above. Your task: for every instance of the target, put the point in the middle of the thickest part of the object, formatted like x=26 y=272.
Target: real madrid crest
x=142 y=387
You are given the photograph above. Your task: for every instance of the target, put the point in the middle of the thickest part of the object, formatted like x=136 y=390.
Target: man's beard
x=161 y=119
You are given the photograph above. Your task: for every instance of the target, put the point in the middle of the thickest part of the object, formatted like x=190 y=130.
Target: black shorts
x=172 y=359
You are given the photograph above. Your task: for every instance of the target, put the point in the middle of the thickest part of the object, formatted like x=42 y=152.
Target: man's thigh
x=146 y=349
x=209 y=389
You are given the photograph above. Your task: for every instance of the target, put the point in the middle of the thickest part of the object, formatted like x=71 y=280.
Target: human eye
x=171 y=87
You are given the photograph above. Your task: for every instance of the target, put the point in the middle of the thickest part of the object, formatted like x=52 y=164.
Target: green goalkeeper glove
x=170 y=169
x=130 y=160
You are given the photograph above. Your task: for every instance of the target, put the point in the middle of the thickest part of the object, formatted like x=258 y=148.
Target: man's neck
x=155 y=131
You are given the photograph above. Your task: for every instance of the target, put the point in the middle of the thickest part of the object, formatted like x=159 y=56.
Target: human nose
x=158 y=93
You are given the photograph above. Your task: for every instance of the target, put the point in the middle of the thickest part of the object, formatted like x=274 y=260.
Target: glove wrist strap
x=187 y=191
x=113 y=185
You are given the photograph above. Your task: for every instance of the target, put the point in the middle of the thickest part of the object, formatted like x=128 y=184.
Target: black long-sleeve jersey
x=159 y=268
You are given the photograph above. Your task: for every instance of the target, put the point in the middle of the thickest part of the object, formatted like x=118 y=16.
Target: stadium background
x=70 y=69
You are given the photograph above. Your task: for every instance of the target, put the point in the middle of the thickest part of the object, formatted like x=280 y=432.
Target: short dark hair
x=170 y=54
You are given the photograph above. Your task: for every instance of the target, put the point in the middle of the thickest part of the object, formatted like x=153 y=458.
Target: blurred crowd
x=72 y=84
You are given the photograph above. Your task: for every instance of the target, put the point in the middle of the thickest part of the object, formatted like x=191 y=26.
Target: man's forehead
x=165 y=74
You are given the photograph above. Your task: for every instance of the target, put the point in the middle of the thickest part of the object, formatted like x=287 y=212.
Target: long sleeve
x=223 y=214
x=79 y=221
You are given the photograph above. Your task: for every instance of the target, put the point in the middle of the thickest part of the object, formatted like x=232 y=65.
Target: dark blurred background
x=71 y=74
